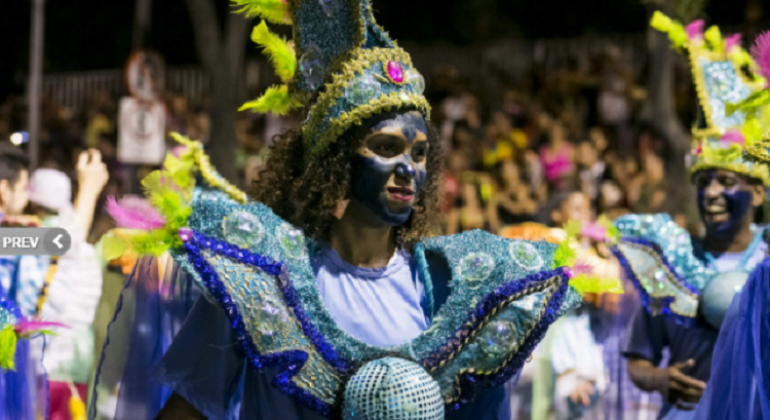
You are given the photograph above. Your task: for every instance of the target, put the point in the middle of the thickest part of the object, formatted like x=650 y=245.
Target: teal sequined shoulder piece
x=504 y=295
x=658 y=256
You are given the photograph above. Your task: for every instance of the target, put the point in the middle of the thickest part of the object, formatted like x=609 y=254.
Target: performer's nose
x=405 y=170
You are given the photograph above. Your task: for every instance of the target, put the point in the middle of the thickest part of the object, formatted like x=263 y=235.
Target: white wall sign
x=142 y=132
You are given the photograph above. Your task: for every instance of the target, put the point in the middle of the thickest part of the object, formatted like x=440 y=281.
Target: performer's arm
x=92 y=177
x=178 y=409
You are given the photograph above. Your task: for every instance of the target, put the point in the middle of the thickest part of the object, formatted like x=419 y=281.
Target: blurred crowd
x=574 y=129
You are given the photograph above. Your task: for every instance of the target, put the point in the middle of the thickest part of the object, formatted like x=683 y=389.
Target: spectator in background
x=557 y=157
x=592 y=170
x=468 y=212
x=74 y=280
x=512 y=202
x=647 y=191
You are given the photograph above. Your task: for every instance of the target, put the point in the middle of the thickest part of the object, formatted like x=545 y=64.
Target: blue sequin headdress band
x=348 y=69
x=725 y=78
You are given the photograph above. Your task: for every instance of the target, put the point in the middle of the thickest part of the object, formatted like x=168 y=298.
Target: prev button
x=34 y=241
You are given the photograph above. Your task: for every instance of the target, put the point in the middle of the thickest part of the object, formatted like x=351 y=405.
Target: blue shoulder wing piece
x=657 y=256
x=505 y=294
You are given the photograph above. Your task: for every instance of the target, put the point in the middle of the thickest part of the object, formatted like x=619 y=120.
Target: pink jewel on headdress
x=733 y=137
x=698 y=150
x=185 y=234
x=395 y=71
x=695 y=30
x=732 y=41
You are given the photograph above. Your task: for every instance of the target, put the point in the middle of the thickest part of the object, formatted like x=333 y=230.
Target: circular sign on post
x=146 y=75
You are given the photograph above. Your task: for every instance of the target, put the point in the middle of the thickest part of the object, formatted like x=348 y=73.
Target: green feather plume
x=276 y=11
x=279 y=50
x=8 y=340
x=564 y=255
x=276 y=99
x=166 y=197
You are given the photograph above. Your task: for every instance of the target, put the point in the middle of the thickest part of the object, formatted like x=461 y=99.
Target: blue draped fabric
x=150 y=312
x=739 y=388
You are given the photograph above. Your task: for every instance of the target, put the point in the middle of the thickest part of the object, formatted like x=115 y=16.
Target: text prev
x=34 y=241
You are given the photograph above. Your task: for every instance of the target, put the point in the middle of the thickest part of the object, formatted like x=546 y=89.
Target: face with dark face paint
x=389 y=168
x=726 y=201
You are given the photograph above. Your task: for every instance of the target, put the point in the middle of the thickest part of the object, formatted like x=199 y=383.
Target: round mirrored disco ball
x=392 y=389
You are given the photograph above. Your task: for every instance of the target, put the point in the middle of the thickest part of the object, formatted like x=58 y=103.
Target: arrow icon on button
x=57 y=241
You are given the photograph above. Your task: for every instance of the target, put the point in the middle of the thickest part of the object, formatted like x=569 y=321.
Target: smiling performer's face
x=389 y=168
x=726 y=201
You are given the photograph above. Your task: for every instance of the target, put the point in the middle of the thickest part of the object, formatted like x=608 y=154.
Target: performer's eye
x=386 y=146
x=419 y=152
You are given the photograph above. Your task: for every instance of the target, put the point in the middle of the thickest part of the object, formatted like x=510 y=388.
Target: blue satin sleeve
x=739 y=388
x=204 y=364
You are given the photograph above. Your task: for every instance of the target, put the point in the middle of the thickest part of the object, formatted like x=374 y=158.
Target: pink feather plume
x=732 y=41
x=695 y=30
x=25 y=327
x=733 y=136
x=132 y=212
x=761 y=54
x=594 y=231
x=582 y=267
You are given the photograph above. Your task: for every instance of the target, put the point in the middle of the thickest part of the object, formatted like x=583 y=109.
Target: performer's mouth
x=401 y=193
x=717 y=213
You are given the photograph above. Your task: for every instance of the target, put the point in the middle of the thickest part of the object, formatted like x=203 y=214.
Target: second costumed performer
x=686 y=284
x=326 y=294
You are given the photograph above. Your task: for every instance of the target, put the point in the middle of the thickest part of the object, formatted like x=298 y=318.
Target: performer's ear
x=341 y=206
x=758 y=195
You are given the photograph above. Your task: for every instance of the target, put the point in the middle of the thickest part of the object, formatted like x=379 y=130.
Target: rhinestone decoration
x=292 y=241
x=330 y=7
x=312 y=67
x=362 y=90
x=477 y=266
x=185 y=234
x=395 y=72
x=271 y=316
x=497 y=338
x=243 y=229
x=416 y=80
x=392 y=388
x=526 y=255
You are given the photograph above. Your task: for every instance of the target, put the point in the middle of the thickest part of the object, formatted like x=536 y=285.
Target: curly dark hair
x=306 y=194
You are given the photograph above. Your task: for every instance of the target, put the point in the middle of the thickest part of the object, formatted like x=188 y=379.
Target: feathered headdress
x=727 y=80
x=341 y=64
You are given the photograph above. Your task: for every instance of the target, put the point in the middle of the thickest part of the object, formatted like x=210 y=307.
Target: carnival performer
x=327 y=295
x=686 y=284
x=740 y=379
x=22 y=385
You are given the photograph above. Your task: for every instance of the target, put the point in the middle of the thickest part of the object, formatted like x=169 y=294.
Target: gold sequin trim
x=212 y=177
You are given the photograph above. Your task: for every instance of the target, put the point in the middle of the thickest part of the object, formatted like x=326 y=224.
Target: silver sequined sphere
x=392 y=389
x=718 y=294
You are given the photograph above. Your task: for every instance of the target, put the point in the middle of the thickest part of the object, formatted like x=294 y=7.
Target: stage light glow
x=17 y=139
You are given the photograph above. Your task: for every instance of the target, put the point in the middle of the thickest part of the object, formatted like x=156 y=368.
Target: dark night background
x=96 y=34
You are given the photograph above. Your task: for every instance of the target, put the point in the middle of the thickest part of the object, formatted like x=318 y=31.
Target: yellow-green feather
x=276 y=99
x=279 y=50
x=8 y=340
x=588 y=284
x=276 y=11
